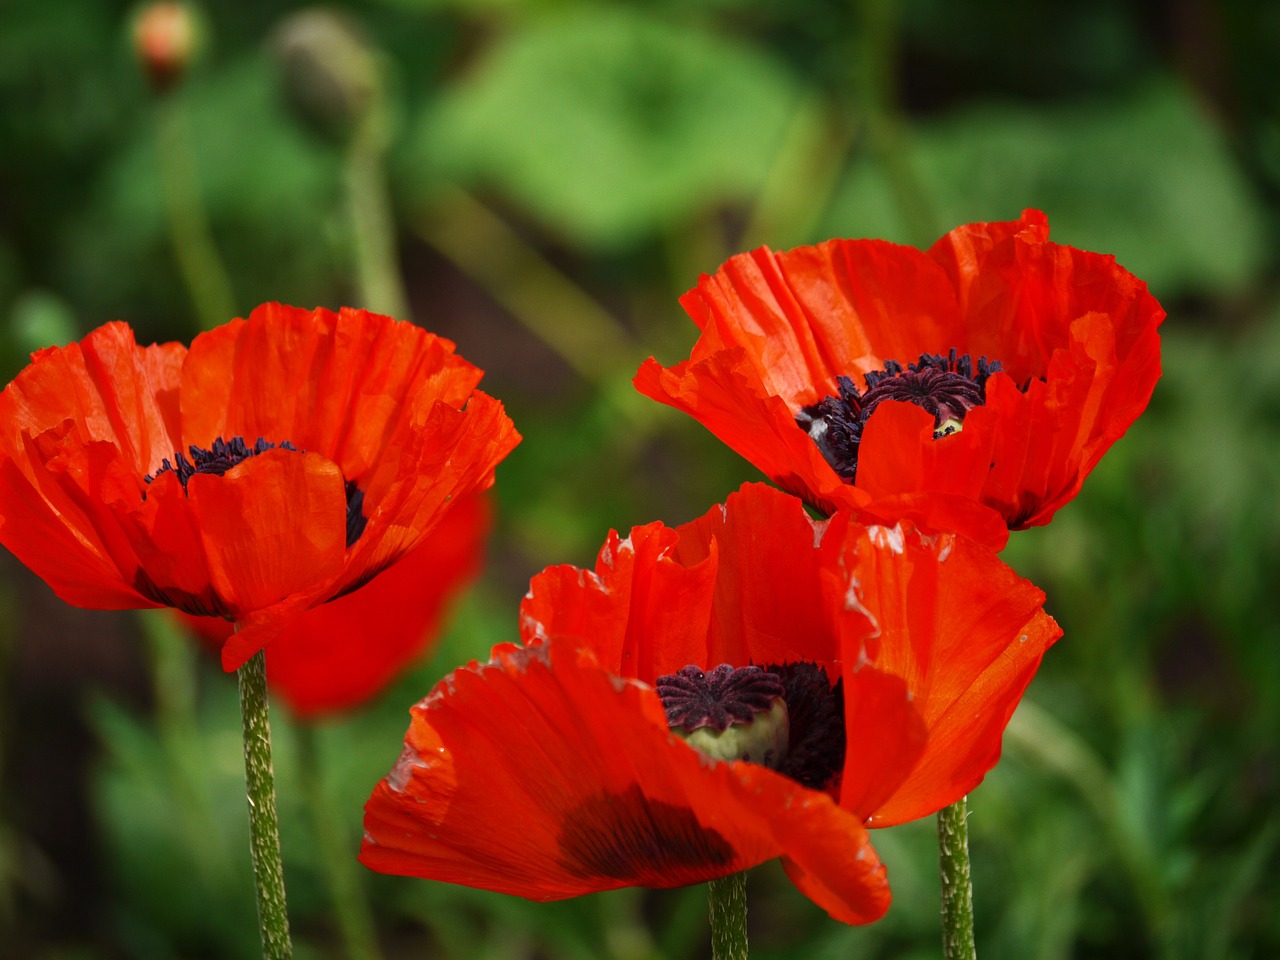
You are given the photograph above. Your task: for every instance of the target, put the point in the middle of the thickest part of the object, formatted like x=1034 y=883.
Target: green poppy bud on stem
x=329 y=72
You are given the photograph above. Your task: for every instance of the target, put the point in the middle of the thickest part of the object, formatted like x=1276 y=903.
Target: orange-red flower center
x=947 y=386
x=717 y=699
x=222 y=455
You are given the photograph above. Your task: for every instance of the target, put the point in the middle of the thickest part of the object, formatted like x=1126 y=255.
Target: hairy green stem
x=202 y=269
x=727 y=903
x=264 y=826
x=373 y=227
x=355 y=921
x=957 y=888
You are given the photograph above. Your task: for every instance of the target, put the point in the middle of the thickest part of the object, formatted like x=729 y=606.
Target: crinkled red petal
x=813 y=313
x=965 y=635
x=741 y=585
x=935 y=483
x=450 y=455
x=346 y=385
x=264 y=540
x=724 y=392
x=541 y=775
x=76 y=425
x=338 y=655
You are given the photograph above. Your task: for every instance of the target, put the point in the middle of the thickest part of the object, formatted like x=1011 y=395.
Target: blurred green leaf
x=609 y=125
x=1146 y=178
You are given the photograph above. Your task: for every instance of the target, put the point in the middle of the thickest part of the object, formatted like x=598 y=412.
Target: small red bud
x=164 y=40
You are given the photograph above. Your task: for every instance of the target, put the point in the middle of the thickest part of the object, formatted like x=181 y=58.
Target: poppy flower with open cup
x=751 y=685
x=279 y=462
x=969 y=387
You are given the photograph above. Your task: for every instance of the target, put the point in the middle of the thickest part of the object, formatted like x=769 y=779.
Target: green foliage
x=611 y=125
x=1143 y=176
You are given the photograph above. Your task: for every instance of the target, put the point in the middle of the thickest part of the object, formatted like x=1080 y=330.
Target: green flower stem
x=264 y=826
x=372 y=223
x=355 y=921
x=876 y=65
x=203 y=271
x=727 y=902
x=957 y=889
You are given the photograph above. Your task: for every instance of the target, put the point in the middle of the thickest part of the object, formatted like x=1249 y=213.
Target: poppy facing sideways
x=849 y=676
x=280 y=462
x=969 y=387
x=342 y=653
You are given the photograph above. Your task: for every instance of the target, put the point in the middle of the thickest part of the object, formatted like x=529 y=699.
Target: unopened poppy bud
x=727 y=713
x=165 y=39
x=329 y=72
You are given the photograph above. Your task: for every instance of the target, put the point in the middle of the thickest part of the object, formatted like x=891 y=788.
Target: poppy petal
x=341 y=653
x=341 y=384
x=114 y=389
x=54 y=520
x=934 y=482
x=638 y=591
x=80 y=419
x=542 y=775
x=740 y=585
x=724 y=392
x=453 y=454
x=264 y=538
x=814 y=313
x=965 y=634
x=768 y=593
x=289 y=510
x=885 y=736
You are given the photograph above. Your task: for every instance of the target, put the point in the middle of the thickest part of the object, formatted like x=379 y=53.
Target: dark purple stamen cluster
x=222 y=455
x=816 y=745
x=947 y=386
x=717 y=698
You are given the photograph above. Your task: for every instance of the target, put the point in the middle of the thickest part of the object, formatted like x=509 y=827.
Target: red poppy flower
x=553 y=770
x=320 y=448
x=989 y=373
x=342 y=653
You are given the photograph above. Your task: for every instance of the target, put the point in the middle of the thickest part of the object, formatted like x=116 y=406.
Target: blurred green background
x=546 y=178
